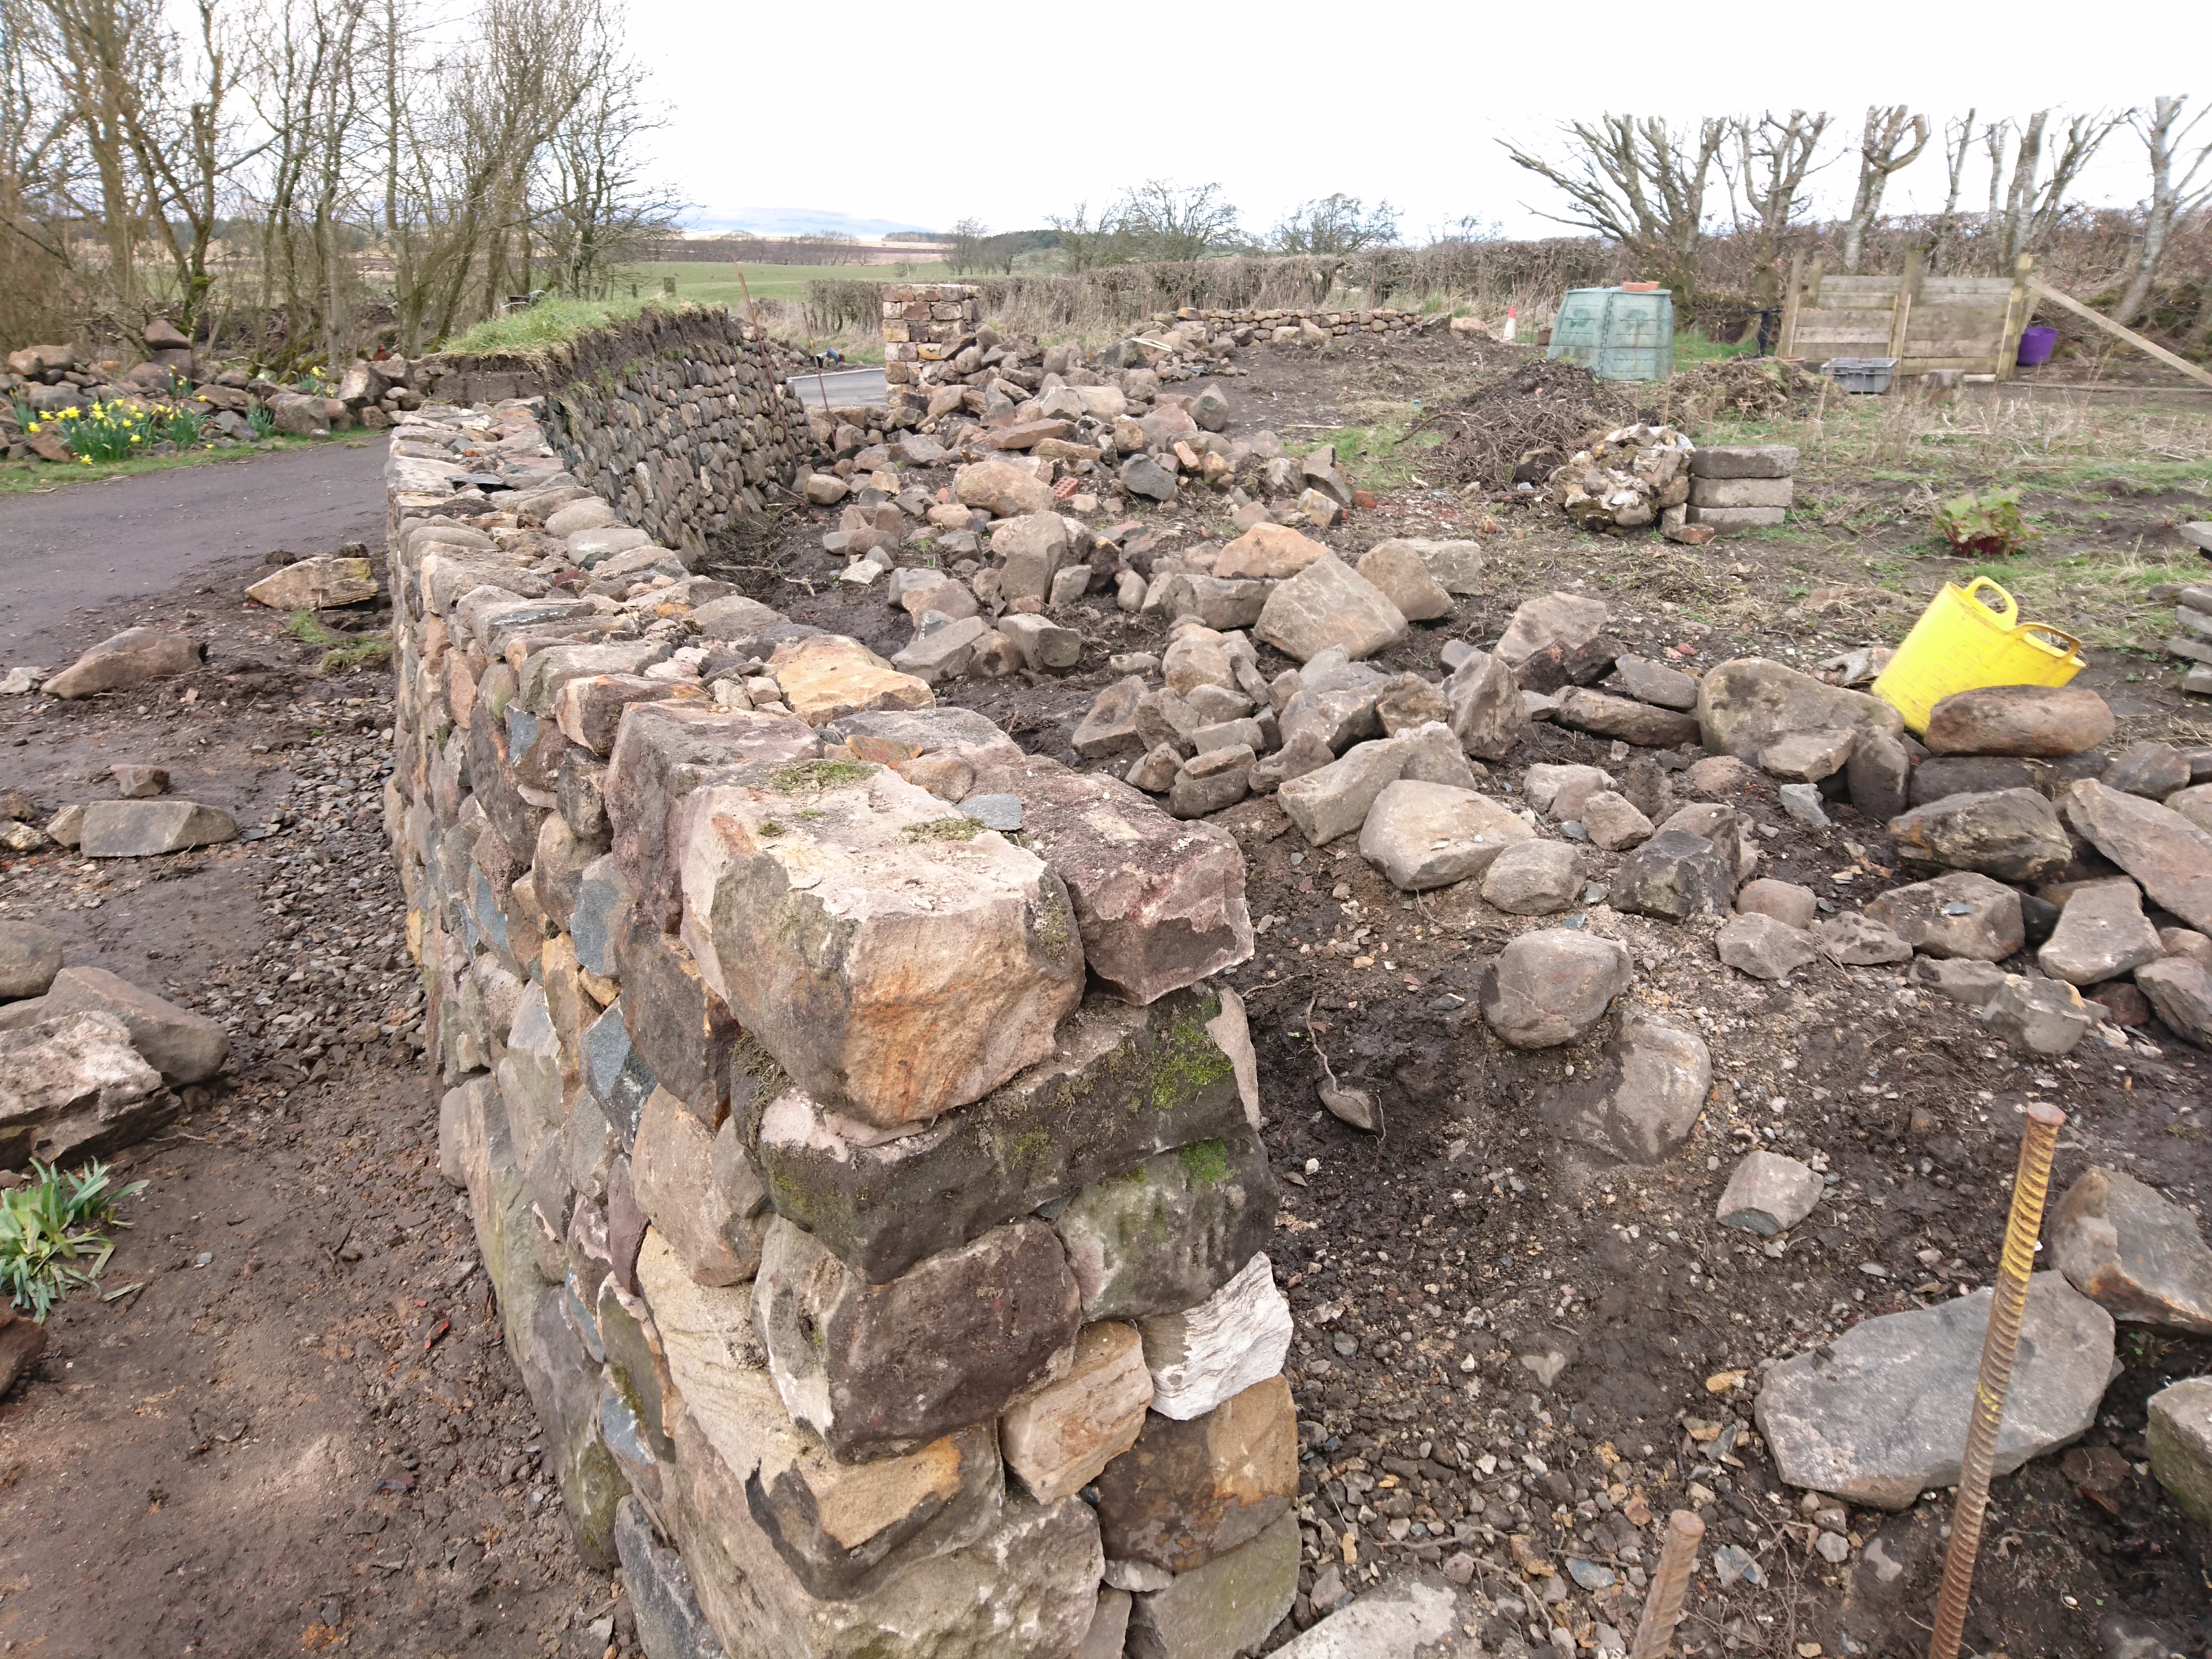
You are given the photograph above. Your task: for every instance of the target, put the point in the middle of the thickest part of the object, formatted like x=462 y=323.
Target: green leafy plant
x=262 y=422
x=314 y=383
x=184 y=428
x=1989 y=524
x=51 y=1240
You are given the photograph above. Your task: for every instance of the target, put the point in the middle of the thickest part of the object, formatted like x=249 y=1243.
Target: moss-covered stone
x=1171 y=1233
x=1127 y=1082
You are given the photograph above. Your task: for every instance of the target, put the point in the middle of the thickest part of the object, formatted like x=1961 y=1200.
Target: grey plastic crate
x=1861 y=373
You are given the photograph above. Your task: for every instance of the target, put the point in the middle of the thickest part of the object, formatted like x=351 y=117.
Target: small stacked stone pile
x=875 y=1200
x=1742 y=487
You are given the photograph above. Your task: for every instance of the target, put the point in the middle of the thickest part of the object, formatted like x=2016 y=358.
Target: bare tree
x=38 y=157
x=600 y=211
x=2023 y=211
x=1640 y=183
x=1335 y=225
x=1174 y=223
x=1883 y=152
x=1773 y=158
x=2172 y=200
x=1958 y=141
x=966 y=252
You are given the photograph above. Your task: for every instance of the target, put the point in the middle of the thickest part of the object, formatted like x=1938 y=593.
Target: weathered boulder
x=1328 y=604
x=890 y=957
x=1858 y=940
x=316 y=584
x=2178 y=1435
x=882 y=1369
x=826 y=676
x=1806 y=757
x=2019 y=719
x=1110 y=727
x=148 y=828
x=1641 y=723
x=1059 y=1436
x=1237 y=1337
x=1878 y=1415
x=1228 y=1606
x=1270 y=550
x=1673 y=875
x=2132 y=1252
x=2102 y=933
x=1746 y=703
x=129 y=659
x=1002 y=490
x=1404 y=580
x=1561 y=619
x=1643 y=1102
x=1785 y=901
x=1032 y=548
x=1769 y=1194
x=1613 y=824
x=1534 y=878
x=1169 y=1233
x=1763 y=947
x=1654 y=683
x=1488 y=714
x=1559 y=792
x=1551 y=985
x=1122 y=1085
x=1423 y=835
x=1334 y=799
x=2156 y=845
x=1964 y=914
x=182 y=1046
x=30 y=956
x=2180 y=989
x=74 y=1087
x=2012 y=834
x=1188 y=1492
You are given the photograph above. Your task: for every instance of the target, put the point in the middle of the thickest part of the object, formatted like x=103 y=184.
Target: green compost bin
x=1615 y=334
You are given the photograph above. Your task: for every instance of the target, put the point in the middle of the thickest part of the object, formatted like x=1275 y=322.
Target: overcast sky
x=920 y=114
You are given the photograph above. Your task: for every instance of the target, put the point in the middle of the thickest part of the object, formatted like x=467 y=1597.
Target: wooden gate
x=1927 y=323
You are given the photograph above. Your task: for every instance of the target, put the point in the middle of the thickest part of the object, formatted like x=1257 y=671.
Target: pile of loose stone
x=875 y=1200
x=1641 y=475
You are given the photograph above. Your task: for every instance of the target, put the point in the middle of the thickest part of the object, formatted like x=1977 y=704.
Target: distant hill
x=792 y=221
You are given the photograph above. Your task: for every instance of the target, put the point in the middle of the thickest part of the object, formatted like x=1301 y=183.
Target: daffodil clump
x=115 y=430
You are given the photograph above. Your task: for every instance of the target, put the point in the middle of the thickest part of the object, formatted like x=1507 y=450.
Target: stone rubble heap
x=875 y=1198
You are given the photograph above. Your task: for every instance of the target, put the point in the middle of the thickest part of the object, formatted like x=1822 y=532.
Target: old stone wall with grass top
x=678 y=418
x=874 y=1191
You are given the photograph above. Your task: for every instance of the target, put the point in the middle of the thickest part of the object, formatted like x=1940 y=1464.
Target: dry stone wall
x=875 y=1200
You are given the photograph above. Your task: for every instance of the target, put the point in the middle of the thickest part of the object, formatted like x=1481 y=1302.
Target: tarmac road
x=69 y=559
x=848 y=388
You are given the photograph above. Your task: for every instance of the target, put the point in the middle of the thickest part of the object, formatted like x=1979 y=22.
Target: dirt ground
x=310 y=1441
x=298 y=1432
x=1423 y=1264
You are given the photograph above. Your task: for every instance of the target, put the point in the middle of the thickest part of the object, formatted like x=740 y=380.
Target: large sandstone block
x=1746 y=703
x=1423 y=835
x=74 y=1087
x=893 y=957
x=680 y=1028
x=1170 y=1233
x=590 y=710
x=881 y=1370
x=1159 y=902
x=2156 y=845
x=129 y=659
x=182 y=1046
x=1123 y=1084
x=1329 y=603
x=1333 y=800
x=2133 y=1252
x=1488 y=713
x=147 y=828
x=1057 y=1437
x=663 y=752
x=825 y=677
x=1188 y=1492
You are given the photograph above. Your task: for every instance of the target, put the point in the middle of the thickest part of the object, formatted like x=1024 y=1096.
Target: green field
x=707 y=283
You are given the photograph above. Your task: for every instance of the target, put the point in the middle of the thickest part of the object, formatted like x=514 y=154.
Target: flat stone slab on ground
x=1879 y=1415
x=148 y=828
x=1395 y=1621
x=1769 y=1194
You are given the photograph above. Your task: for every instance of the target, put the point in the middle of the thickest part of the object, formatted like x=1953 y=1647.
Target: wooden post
x=1785 y=346
x=1900 y=314
x=2018 y=308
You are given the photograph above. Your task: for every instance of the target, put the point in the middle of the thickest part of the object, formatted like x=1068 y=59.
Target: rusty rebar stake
x=1662 y=1608
x=2007 y=1306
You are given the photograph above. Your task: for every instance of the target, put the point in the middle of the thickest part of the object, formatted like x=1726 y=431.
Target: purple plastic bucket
x=2036 y=345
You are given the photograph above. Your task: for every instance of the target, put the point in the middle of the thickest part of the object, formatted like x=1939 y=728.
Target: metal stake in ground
x=1662 y=1608
x=2031 y=1183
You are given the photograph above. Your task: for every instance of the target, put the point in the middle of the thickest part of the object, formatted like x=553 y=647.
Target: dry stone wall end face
x=1170 y=1233
x=1226 y=1606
